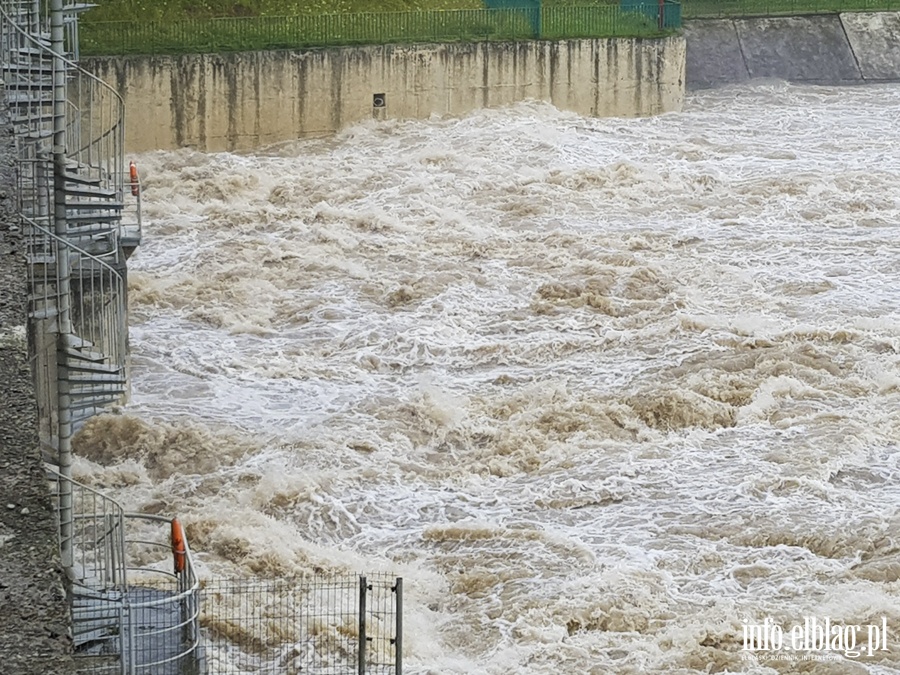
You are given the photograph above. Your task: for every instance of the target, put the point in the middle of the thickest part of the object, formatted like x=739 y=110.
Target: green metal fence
x=530 y=9
x=707 y=9
x=325 y=30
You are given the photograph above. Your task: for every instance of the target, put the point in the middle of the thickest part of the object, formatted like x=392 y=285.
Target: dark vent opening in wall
x=378 y=101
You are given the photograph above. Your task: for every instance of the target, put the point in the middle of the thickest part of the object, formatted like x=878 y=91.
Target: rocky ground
x=33 y=615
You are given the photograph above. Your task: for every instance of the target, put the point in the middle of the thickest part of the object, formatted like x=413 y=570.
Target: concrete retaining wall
x=828 y=49
x=245 y=100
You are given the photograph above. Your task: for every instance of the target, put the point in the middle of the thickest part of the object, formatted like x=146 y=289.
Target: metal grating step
x=92 y=242
x=79 y=205
x=30 y=119
x=27 y=69
x=94 y=217
x=82 y=413
x=42 y=287
x=29 y=86
x=96 y=615
x=42 y=54
x=93 y=633
x=111 y=389
x=90 y=230
x=84 y=408
x=40 y=259
x=84 y=355
x=79 y=418
x=44 y=313
x=33 y=135
x=75 y=342
x=75 y=165
x=79 y=179
x=82 y=416
x=130 y=239
x=89 y=607
x=88 y=610
x=97 y=245
x=87 y=190
x=20 y=101
x=81 y=365
x=91 y=377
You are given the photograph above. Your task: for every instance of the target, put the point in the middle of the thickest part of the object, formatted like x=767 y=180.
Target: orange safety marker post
x=179 y=548
x=135 y=186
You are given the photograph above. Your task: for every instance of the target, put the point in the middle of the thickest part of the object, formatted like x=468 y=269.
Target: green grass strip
x=705 y=9
x=178 y=10
x=322 y=30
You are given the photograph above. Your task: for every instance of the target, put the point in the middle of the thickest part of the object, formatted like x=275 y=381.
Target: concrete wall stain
x=241 y=101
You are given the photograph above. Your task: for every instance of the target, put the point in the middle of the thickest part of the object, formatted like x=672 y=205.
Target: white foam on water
x=599 y=389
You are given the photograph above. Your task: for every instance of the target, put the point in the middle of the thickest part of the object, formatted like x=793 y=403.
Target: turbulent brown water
x=599 y=390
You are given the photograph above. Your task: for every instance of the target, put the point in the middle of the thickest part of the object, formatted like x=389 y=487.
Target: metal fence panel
x=343 y=625
x=327 y=30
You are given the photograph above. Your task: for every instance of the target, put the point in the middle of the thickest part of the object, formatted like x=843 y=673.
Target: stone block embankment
x=835 y=49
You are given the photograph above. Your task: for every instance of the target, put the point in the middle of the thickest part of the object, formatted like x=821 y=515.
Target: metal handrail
x=97 y=538
x=77 y=307
x=104 y=569
x=132 y=225
x=84 y=297
x=102 y=301
x=95 y=147
x=183 y=596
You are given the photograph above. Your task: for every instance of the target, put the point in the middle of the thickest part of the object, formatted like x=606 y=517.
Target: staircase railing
x=132 y=613
x=83 y=300
x=97 y=287
x=97 y=538
x=96 y=132
x=95 y=122
x=69 y=148
x=132 y=224
x=98 y=296
x=163 y=606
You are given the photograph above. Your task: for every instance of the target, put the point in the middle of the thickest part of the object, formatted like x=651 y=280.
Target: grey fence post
x=363 y=588
x=126 y=638
x=398 y=629
x=63 y=281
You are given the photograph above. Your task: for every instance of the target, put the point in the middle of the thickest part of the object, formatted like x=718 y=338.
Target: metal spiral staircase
x=69 y=130
x=79 y=207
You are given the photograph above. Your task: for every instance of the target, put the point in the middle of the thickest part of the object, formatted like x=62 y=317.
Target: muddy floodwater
x=603 y=391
